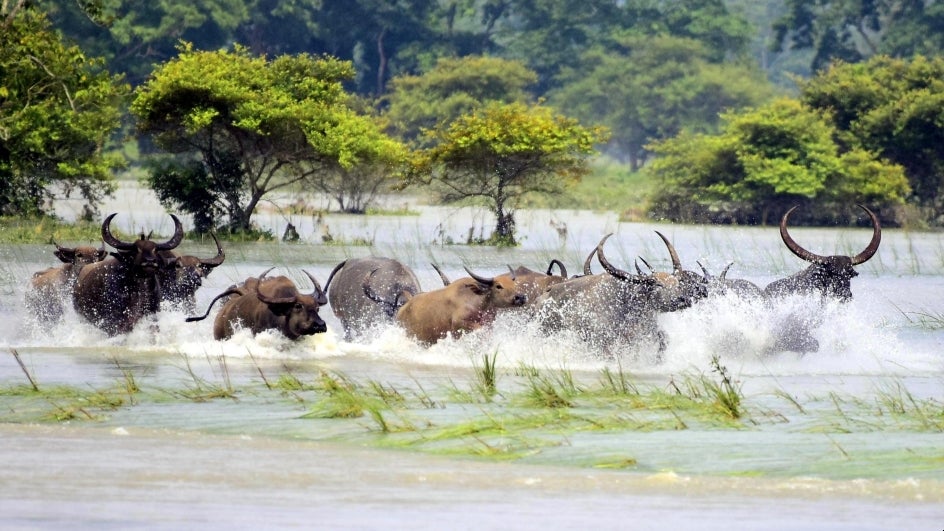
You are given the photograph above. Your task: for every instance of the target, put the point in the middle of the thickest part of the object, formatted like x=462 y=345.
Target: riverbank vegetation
x=715 y=111
x=486 y=411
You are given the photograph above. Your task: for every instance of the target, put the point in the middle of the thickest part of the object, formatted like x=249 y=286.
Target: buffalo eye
x=298 y=306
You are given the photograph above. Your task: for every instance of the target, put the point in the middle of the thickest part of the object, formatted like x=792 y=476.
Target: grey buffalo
x=615 y=308
x=48 y=289
x=392 y=283
x=269 y=303
x=182 y=275
x=117 y=292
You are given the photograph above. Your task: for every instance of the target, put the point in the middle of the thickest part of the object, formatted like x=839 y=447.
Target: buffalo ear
x=100 y=255
x=478 y=288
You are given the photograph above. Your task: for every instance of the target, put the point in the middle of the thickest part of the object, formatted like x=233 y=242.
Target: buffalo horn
x=586 y=263
x=560 y=265
x=512 y=272
x=794 y=247
x=331 y=275
x=110 y=239
x=479 y=279
x=676 y=262
x=442 y=275
x=318 y=293
x=174 y=240
x=610 y=268
x=876 y=239
x=220 y=255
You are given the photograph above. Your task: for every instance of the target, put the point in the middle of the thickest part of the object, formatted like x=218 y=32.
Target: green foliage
x=852 y=31
x=455 y=86
x=500 y=153
x=253 y=126
x=57 y=109
x=763 y=162
x=650 y=88
x=894 y=108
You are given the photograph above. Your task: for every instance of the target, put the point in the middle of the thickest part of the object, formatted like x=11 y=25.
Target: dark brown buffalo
x=49 y=288
x=263 y=303
x=614 y=308
x=117 y=292
x=182 y=275
x=829 y=276
x=464 y=305
x=392 y=283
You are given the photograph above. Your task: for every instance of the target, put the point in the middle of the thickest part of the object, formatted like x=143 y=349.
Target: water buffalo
x=614 y=308
x=533 y=283
x=117 y=292
x=50 y=287
x=466 y=304
x=263 y=303
x=182 y=275
x=829 y=276
x=392 y=282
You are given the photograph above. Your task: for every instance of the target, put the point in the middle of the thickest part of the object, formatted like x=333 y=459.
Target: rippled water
x=819 y=446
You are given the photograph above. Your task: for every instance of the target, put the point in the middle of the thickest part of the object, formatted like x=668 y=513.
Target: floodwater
x=848 y=437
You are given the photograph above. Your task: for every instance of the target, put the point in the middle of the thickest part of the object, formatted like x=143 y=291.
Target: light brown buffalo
x=466 y=304
x=263 y=303
x=49 y=288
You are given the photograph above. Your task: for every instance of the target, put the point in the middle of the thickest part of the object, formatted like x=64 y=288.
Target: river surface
x=166 y=428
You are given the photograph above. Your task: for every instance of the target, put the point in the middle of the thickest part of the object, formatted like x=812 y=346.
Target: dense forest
x=738 y=109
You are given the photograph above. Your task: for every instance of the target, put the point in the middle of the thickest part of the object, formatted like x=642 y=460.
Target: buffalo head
x=829 y=275
x=143 y=255
x=297 y=313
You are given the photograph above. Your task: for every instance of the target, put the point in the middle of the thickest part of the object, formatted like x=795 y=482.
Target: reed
x=486 y=376
x=29 y=376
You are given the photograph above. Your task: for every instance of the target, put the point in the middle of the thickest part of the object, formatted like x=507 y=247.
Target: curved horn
x=110 y=239
x=174 y=240
x=220 y=255
x=794 y=247
x=586 y=263
x=724 y=272
x=610 y=268
x=389 y=308
x=648 y=265
x=331 y=275
x=676 y=262
x=560 y=265
x=512 y=273
x=704 y=270
x=479 y=279
x=876 y=239
x=442 y=275
x=273 y=300
x=317 y=293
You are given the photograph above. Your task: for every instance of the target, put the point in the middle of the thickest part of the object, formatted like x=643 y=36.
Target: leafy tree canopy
x=499 y=153
x=57 y=109
x=892 y=107
x=763 y=162
x=257 y=125
x=454 y=87
x=654 y=87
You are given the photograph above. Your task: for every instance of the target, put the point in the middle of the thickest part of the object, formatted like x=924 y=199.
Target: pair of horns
x=173 y=242
x=808 y=256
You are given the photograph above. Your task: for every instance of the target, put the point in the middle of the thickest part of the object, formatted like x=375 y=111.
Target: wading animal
x=182 y=275
x=49 y=288
x=466 y=304
x=117 y=292
x=392 y=283
x=264 y=303
x=614 y=308
x=829 y=276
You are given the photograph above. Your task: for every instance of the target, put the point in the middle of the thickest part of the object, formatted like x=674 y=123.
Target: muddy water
x=817 y=448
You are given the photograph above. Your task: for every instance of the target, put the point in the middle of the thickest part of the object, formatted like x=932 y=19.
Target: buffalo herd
x=116 y=290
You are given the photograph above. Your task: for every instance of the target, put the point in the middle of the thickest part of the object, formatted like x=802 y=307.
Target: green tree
x=853 y=30
x=763 y=162
x=454 y=87
x=57 y=110
x=892 y=107
x=499 y=153
x=255 y=125
x=653 y=88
